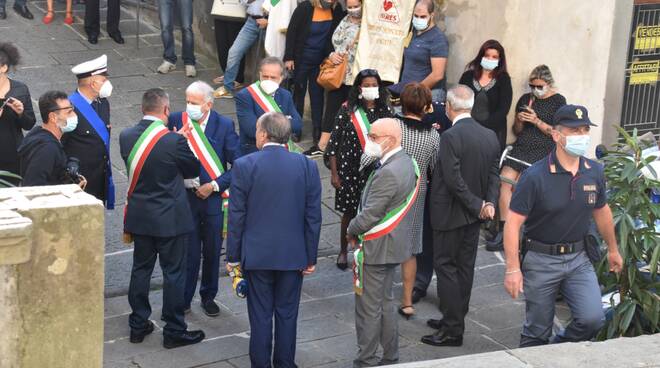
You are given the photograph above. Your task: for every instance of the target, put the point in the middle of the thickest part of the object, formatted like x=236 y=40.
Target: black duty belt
x=552 y=249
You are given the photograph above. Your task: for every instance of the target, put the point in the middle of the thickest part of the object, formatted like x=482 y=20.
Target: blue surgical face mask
x=194 y=111
x=576 y=145
x=420 y=24
x=71 y=124
x=489 y=64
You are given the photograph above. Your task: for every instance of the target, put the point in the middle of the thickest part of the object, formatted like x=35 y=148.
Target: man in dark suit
x=205 y=192
x=274 y=229
x=158 y=218
x=93 y=21
x=90 y=141
x=250 y=105
x=464 y=191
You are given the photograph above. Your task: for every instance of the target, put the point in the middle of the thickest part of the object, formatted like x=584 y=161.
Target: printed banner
x=387 y=23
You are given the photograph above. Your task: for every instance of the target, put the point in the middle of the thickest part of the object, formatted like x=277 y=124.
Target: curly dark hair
x=353 y=99
x=9 y=54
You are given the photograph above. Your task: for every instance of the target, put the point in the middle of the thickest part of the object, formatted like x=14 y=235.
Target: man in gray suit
x=392 y=184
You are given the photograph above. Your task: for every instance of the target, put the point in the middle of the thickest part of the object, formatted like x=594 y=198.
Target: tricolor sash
x=136 y=159
x=361 y=124
x=268 y=104
x=382 y=228
x=209 y=159
x=102 y=131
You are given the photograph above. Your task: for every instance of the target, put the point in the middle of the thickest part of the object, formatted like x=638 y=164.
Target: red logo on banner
x=389 y=12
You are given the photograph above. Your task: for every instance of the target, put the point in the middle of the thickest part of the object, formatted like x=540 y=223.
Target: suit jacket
x=248 y=111
x=158 y=205
x=274 y=211
x=224 y=140
x=466 y=175
x=387 y=189
x=87 y=146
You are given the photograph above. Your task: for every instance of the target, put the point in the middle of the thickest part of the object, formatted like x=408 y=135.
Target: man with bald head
x=383 y=233
x=464 y=191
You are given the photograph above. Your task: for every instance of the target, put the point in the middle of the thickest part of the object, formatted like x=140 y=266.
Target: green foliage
x=6 y=174
x=638 y=311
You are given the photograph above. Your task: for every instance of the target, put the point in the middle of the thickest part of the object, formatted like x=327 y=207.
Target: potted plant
x=635 y=301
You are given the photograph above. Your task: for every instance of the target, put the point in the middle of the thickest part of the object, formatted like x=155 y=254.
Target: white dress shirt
x=390 y=154
x=461 y=116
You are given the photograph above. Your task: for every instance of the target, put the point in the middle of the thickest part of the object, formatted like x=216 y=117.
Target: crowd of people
x=415 y=165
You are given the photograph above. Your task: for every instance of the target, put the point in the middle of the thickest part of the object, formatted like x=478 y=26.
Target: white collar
x=206 y=120
x=85 y=97
x=150 y=117
x=272 y=144
x=390 y=154
x=461 y=116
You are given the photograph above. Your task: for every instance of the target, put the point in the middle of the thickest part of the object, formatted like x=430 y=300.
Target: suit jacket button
x=87 y=132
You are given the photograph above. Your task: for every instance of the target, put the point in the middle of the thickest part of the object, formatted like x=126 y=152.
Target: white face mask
x=269 y=86
x=540 y=92
x=106 y=89
x=194 y=111
x=420 y=24
x=71 y=124
x=373 y=149
x=370 y=93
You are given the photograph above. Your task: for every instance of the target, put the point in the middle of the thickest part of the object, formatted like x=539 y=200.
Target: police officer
x=90 y=141
x=556 y=199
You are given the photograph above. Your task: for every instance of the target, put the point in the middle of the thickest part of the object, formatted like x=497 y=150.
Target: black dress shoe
x=23 y=11
x=3 y=13
x=138 y=336
x=210 y=308
x=93 y=39
x=435 y=323
x=442 y=339
x=417 y=295
x=182 y=339
x=117 y=38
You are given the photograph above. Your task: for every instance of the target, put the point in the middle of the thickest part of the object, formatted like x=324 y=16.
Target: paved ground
x=326 y=330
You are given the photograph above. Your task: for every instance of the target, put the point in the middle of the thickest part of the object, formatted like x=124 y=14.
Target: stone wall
x=583 y=42
x=51 y=278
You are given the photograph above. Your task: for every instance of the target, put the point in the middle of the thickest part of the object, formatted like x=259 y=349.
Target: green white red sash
x=268 y=104
x=361 y=124
x=138 y=157
x=382 y=228
x=207 y=156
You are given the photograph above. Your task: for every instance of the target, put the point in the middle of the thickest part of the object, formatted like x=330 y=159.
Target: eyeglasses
x=70 y=108
x=534 y=86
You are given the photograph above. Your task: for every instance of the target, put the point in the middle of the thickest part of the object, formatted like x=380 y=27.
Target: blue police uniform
x=558 y=208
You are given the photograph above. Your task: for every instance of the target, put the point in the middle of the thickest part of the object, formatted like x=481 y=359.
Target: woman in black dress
x=488 y=78
x=368 y=99
x=17 y=113
x=533 y=127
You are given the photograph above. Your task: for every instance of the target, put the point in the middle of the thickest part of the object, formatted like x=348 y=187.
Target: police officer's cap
x=98 y=66
x=572 y=116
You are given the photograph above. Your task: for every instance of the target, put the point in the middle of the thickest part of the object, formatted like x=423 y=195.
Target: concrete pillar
x=51 y=278
x=583 y=42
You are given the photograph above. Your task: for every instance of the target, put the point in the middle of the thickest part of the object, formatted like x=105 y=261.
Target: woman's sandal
x=407 y=315
x=69 y=18
x=48 y=17
x=342 y=265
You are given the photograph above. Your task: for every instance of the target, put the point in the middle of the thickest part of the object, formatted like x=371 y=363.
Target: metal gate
x=641 y=98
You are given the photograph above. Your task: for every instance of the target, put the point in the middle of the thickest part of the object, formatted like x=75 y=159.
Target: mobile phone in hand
x=4 y=102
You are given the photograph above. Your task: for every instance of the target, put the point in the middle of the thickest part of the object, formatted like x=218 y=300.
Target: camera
x=73 y=170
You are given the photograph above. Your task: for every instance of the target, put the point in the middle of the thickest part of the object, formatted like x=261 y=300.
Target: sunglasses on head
x=368 y=73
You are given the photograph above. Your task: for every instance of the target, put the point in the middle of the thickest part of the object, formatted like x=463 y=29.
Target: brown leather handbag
x=331 y=75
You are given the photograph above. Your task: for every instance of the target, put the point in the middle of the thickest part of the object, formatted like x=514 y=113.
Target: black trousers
x=171 y=253
x=454 y=254
x=92 y=17
x=425 y=259
x=334 y=100
x=225 y=34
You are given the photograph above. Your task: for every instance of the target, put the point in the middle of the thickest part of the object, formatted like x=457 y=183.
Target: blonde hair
x=543 y=73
